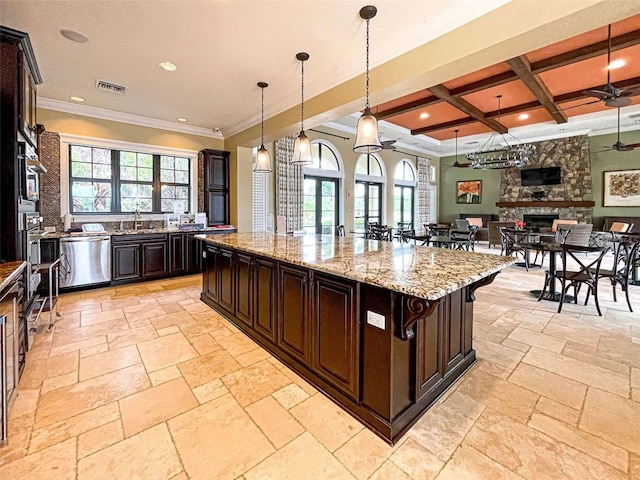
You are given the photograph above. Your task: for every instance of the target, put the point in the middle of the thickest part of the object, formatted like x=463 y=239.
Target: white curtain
x=289 y=184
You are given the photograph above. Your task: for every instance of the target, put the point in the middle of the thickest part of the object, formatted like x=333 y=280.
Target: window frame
x=401 y=183
x=371 y=179
x=67 y=140
x=318 y=180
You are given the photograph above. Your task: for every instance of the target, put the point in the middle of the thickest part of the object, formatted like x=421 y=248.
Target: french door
x=320 y=208
x=367 y=204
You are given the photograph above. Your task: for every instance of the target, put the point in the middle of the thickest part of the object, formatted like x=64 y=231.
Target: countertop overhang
x=424 y=272
x=10 y=272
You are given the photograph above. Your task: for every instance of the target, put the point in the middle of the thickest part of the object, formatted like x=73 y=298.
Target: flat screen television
x=541 y=176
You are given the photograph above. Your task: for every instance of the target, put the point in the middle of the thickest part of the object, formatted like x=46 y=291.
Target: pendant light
x=302 y=147
x=367 y=138
x=263 y=162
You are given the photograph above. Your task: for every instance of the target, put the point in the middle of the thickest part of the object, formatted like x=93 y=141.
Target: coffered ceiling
x=545 y=86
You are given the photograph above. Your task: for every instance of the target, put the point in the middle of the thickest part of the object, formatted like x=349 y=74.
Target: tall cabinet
x=216 y=186
x=18 y=81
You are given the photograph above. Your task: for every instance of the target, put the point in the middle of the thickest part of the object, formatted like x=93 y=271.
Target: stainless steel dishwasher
x=88 y=260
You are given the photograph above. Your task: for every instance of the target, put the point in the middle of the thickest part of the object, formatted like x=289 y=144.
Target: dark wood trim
x=417 y=309
x=464 y=106
x=557 y=204
x=578 y=94
x=522 y=67
x=471 y=289
x=22 y=40
x=408 y=107
x=583 y=53
x=440 y=126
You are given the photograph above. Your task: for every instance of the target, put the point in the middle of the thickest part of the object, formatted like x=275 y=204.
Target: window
x=105 y=180
x=321 y=206
x=368 y=197
x=404 y=192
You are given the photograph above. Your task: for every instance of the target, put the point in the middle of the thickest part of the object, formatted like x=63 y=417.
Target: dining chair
x=510 y=244
x=626 y=257
x=461 y=224
x=464 y=240
x=587 y=272
x=380 y=232
x=560 y=237
x=580 y=234
x=437 y=230
x=340 y=231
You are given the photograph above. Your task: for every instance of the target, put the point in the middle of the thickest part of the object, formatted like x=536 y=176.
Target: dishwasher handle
x=85 y=239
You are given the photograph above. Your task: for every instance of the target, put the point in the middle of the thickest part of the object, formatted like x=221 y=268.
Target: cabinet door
x=177 y=253
x=193 y=254
x=210 y=276
x=244 y=291
x=226 y=280
x=125 y=261
x=154 y=259
x=264 y=318
x=217 y=165
x=334 y=332
x=293 y=324
x=217 y=203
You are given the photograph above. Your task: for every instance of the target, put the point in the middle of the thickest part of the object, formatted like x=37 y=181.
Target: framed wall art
x=621 y=188
x=469 y=191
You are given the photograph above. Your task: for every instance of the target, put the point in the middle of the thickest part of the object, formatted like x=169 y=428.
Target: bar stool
x=50 y=301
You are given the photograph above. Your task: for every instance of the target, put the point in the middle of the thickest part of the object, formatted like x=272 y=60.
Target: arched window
x=368 y=195
x=404 y=194
x=321 y=208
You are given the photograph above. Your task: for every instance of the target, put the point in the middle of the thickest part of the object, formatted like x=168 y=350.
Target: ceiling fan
x=619 y=146
x=457 y=164
x=388 y=144
x=610 y=95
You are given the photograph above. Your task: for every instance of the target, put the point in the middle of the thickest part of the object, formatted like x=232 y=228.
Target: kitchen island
x=381 y=328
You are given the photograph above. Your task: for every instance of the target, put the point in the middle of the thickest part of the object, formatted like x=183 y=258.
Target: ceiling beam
x=407 y=107
x=579 y=54
x=588 y=51
x=522 y=68
x=444 y=125
x=461 y=104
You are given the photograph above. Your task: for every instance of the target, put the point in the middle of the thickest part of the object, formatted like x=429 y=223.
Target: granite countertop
x=424 y=272
x=10 y=272
x=140 y=231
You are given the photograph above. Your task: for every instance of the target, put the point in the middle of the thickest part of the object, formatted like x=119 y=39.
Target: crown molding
x=105 y=114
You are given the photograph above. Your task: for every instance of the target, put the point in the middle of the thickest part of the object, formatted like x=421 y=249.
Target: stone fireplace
x=571 y=200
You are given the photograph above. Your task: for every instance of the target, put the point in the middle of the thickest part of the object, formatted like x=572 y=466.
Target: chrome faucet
x=137 y=223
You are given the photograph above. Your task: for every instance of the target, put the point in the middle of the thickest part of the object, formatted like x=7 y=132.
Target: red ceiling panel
x=438 y=113
x=591 y=73
x=570 y=78
x=478 y=75
x=465 y=130
x=513 y=93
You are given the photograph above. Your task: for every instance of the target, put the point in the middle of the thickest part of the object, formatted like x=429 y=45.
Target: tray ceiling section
x=542 y=86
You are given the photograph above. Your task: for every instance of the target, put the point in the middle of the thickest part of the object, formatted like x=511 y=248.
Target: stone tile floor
x=146 y=382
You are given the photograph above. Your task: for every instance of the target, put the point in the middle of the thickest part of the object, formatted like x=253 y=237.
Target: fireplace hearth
x=540 y=221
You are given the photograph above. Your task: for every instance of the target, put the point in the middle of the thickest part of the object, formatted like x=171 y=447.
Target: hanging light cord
x=302 y=100
x=366 y=105
x=262 y=118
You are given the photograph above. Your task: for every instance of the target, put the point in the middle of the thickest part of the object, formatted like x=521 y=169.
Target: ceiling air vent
x=110 y=87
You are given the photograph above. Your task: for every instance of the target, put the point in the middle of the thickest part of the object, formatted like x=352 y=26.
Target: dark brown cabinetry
x=18 y=81
x=210 y=274
x=138 y=257
x=216 y=186
x=185 y=253
x=244 y=292
x=293 y=312
x=335 y=315
x=264 y=302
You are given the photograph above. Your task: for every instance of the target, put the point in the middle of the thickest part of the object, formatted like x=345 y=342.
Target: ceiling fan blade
x=632 y=92
x=604 y=150
x=631 y=146
x=618 y=102
x=592 y=92
x=388 y=144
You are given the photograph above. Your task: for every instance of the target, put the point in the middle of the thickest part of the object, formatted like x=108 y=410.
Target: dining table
x=553 y=249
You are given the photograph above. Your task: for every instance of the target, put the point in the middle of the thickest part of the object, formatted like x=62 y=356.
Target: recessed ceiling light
x=168 y=66
x=182 y=119
x=562 y=129
x=77 y=99
x=74 y=36
x=619 y=63
x=424 y=115
x=523 y=116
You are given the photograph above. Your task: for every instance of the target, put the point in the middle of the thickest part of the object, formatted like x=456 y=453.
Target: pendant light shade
x=263 y=162
x=302 y=147
x=367 y=137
